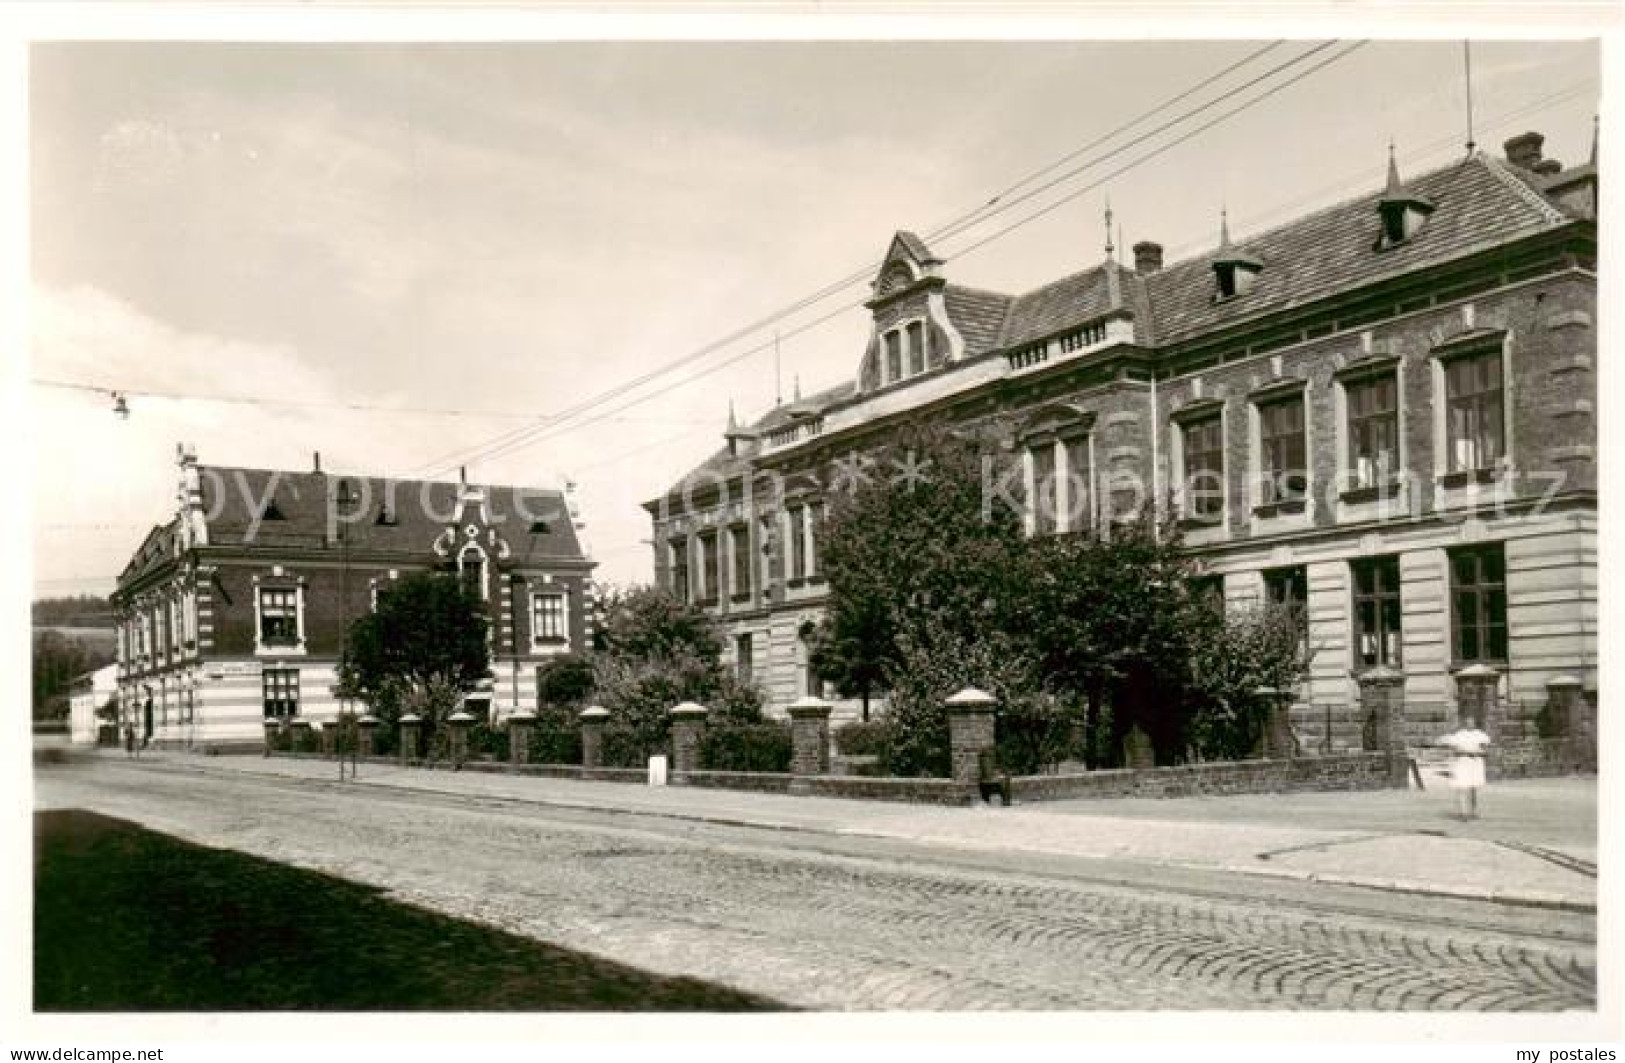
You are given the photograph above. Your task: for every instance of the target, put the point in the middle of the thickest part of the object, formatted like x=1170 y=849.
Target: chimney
x=1547 y=167
x=316 y=461
x=1523 y=150
x=1147 y=257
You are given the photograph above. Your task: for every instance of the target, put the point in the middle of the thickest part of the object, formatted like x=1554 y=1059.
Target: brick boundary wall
x=884 y=788
x=1352 y=771
x=1537 y=758
x=755 y=781
x=1525 y=758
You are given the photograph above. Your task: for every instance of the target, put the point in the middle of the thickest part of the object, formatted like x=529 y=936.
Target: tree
x=420 y=651
x=907 y=542
x=655 y=651
x=58 y=660
x=1233 y=655
x=565 y=682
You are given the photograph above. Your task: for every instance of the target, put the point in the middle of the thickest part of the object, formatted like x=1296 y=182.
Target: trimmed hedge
x=487 y=743
x=860 y=739
x=757 y=747
x=626 y=748
x=555 y=745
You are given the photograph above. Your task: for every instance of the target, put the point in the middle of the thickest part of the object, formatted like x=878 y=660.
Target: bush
x=564 y=682
x=626 y=747
x=1033 y=735
x=861 y=739
x=746 y=747
x=386 y=740
x=305 y=740
x=486 y=742
x=555 y=745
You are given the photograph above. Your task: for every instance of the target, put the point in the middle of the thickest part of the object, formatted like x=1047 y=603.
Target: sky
x=469 y=239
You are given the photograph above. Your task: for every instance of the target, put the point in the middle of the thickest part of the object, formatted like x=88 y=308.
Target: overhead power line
x=506 y=442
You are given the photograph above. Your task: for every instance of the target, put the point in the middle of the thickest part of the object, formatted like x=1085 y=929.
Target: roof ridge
x=1340 y=204
x=1522 y=188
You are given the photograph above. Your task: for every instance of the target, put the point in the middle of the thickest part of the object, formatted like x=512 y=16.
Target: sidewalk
x=1535 y=844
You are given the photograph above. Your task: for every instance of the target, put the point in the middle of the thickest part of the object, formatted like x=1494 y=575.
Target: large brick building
x=235 y=609
x=1383 y=410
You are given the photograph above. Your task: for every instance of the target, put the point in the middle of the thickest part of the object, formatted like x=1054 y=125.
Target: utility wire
x=503 y=444
x=527 y=437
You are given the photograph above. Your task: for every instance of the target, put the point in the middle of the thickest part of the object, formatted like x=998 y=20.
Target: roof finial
x=1110 y=250
x=1467 y=62
x=778 y=373
x=1224 y=227
x=1596 y=124
x=798 y=388
x=733 y=422
x=1394 y=185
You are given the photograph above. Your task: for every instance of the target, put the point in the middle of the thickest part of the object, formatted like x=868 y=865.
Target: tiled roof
x=915 y=246
x=154 y=550
x=978 y=315
x=1047 y=310
x=422 y=509
x=1477 y=202
x=723 y=465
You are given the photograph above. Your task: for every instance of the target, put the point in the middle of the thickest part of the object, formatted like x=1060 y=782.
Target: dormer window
x=905 y=352
x=1234 y=270
x=1403 y=212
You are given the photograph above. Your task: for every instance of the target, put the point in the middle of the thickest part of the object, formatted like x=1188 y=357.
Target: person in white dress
x=1471 y=746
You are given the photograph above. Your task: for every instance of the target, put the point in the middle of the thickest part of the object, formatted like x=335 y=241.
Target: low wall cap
x=368 y=720
x=1478 y=671
x=1381 y=673
x=972 y=698
x=411 y=717
x=810 y=704
x=594 y=713
x=1564 y=681
x=689 y=708
x=460 y=717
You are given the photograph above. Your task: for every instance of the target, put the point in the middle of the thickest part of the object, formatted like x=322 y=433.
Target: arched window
x=471 y=570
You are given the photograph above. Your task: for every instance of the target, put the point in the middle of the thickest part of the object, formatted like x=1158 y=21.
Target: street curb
x=1545 y=901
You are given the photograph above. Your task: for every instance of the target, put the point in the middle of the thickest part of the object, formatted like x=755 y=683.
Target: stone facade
x=1478 y=331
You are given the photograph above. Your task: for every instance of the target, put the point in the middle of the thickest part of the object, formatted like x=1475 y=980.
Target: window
x=739 y=543
x=916 y=347
x=815 y=539
x=471 y=571
x=679 y=569
x=1204 y=468
x=279 y=616
x=798 y=543
x=1478 y=604
x=1475 y=417
x=744 y=659
x=709 y=566
x=1282 y=453
x=281 y=689
x=1373 y=430
x=894 y=356
x=1289 y=589
x=765 y=537
x=1045 y=502
x=1377 y=630
x=549 y=617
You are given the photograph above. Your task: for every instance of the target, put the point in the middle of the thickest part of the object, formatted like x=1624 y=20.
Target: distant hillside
x=80 y=611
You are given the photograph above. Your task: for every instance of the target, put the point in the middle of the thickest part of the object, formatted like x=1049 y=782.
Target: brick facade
x=1502 y=271
x=194 y=642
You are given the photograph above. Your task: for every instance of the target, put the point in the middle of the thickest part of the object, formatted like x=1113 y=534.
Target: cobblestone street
x=858 y=923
